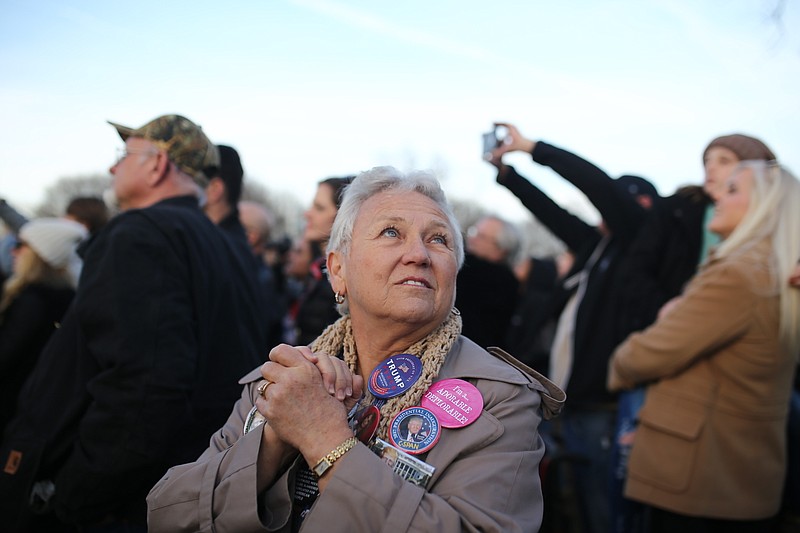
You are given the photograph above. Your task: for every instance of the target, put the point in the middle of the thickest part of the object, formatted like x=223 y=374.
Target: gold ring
x=262 y=387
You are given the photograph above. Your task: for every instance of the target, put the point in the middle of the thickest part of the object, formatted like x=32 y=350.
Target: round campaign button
x=394 y=376
x=455 y=402
x=414 y=430
x=366 y=423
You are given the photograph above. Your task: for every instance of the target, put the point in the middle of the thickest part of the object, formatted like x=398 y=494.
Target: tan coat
x=486 y=473
x=712 y=435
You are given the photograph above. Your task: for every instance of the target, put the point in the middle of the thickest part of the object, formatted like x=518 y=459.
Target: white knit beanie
x=53 y=239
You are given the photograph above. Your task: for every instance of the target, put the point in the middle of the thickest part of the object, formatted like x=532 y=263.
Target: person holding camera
x=583 y=304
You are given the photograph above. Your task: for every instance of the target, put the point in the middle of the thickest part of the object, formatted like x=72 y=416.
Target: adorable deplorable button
x=414 y=430
x=394 y=376
x=455 y=402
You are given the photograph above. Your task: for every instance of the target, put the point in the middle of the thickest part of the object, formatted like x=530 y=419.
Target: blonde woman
x=710 y=450
x=34 y=299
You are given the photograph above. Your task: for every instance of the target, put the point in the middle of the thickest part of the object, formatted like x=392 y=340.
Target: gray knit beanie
x=53 y=239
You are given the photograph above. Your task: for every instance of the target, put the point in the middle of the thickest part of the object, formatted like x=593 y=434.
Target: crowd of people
x=175 y=366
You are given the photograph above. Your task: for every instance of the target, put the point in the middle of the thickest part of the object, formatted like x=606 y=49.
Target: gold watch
x=326 y=462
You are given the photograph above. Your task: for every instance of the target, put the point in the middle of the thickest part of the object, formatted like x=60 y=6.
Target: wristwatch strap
x=326 y=462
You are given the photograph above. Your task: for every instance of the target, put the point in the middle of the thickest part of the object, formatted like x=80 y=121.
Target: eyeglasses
x=474 y=233
x=122 y=153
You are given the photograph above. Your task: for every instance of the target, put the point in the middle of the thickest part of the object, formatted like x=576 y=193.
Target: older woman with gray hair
x=289 y=457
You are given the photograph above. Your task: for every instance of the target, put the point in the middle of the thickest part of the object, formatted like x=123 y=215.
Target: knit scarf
x=431 y=350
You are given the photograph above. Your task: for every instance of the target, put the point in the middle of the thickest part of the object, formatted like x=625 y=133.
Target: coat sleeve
x=573 y=231
x=620 y=211
x=716 y=309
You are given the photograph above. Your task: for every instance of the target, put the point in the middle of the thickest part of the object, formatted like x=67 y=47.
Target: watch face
x=321 y=467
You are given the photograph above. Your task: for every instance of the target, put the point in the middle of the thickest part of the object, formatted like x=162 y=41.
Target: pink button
x=455 y=402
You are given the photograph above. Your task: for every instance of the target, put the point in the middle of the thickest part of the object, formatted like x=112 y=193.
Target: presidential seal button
x=414 y=430
x=455 y=402
x=394 y=376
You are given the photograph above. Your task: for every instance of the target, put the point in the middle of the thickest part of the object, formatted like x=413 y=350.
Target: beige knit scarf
x=338 y=339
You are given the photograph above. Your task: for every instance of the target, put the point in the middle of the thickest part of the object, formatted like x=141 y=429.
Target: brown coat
x=486 y=473
x=712 y=435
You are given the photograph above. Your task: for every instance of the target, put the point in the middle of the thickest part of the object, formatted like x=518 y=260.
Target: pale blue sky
x=311 y=88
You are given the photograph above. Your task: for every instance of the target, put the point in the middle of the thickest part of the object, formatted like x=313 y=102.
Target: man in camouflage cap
x=183 y=141
x=146 y=363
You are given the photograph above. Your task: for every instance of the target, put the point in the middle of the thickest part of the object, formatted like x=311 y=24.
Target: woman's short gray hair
x=384 y=179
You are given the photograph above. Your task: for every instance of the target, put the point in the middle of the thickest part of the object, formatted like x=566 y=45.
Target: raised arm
x=715 y=310
x=620 y=211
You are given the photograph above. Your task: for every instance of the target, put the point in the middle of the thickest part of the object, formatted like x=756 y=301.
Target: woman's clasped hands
x=307 y=400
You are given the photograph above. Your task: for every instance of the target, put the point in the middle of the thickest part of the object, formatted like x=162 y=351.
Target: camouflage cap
x=183 y=140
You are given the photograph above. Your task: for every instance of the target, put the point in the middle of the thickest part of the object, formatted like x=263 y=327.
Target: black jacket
x=662 y=258
x=316 y=308
x=595 y=326
x=486 y=296
x=263 y=299
x=25 y=327
x=144 y=369
x=532 y=347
